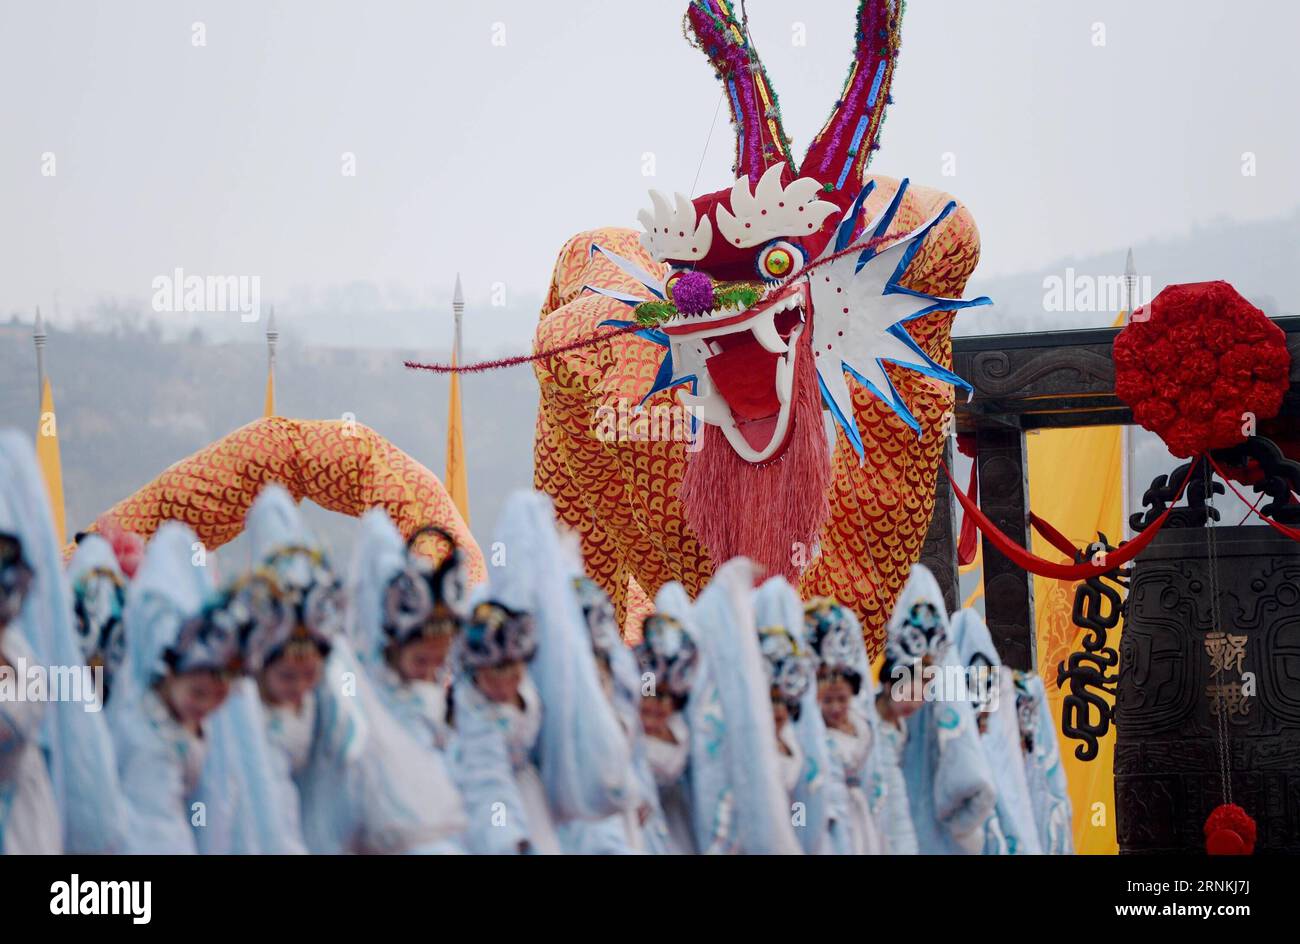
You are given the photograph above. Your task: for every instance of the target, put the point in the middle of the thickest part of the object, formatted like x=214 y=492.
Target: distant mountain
x=1259 y=258
x=129 y=404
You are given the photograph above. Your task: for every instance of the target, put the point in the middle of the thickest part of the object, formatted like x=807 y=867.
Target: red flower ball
x=1201 y=359
x=1229 y=830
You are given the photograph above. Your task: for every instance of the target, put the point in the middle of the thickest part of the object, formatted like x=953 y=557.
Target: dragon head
x=778 y=288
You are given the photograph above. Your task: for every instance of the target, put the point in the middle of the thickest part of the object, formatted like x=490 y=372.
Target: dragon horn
x=843 y=147
x=755 y=114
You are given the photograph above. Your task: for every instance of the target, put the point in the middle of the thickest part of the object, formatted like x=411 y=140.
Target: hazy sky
x=486 y=133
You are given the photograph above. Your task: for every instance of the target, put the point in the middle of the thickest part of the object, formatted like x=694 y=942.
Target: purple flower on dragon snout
x=693 y=293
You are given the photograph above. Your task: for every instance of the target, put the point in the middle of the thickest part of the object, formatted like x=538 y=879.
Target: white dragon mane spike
x=672 y=233
x=772 y=211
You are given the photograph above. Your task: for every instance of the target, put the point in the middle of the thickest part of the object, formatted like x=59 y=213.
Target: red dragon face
x=742 y=303
x=778 y=290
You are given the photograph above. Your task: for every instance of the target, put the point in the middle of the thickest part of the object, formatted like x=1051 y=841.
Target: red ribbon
x=1046 y=568
x=966 y=546
x=1056 y=538
x=1277 y=526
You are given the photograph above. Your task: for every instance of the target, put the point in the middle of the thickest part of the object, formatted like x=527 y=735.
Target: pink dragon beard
x=772 y=512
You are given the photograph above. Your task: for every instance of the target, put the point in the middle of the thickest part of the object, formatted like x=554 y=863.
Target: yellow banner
x=457 y=480
x=47 y=456
x=1076 y=483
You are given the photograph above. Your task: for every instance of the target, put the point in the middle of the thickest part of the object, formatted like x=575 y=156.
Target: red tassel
x=1229 y=830
x=764 y=512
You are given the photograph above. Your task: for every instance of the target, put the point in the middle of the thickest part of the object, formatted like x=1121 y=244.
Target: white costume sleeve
x=739 y=799
x=158 y=809
x=252 y=802
x=893 y=811
x=370 y=787
x=583 y=757
x=481 y=765
x=1047 y=783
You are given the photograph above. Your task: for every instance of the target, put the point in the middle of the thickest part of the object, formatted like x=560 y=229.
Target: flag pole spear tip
x=39 y=337
x=272 y=336
x=1129 y=268
x=458 y=296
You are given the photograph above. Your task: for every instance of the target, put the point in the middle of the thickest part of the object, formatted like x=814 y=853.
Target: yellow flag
x=269 y=408
x=1080 y=498
x=457 y=481
x=47 y=456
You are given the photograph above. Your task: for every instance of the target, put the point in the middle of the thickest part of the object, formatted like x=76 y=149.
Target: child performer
x=29 y=817
x=405 y=613
x=844 y=694
x=668 y=660
x=818 y=795
x=57 y=768
x=641 y=828
x=993 y=700
x=737 y=796
x=98 y=595
x=578 y=750
x=951 y=791
x=498 y=713
x=179 y=666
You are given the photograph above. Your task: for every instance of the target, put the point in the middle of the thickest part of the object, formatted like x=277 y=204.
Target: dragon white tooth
x=785 y=370
x=785 y=378
x=710 y=409
x=764 y=329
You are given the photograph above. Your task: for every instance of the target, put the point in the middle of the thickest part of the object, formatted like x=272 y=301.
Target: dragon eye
x=778 y=259
x=673 y=276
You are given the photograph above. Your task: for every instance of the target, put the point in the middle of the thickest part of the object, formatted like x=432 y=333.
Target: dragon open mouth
x=744 y=368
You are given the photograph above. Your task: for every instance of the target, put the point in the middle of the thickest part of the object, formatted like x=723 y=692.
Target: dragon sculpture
x=805 y=290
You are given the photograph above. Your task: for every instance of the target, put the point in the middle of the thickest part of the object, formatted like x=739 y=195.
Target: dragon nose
x=693 y=293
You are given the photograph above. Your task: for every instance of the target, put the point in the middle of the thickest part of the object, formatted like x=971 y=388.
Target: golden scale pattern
x=621 y=495
x=341 y=466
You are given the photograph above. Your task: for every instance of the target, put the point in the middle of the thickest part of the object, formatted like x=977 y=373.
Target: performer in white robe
x=951 y=791
x=845 y=696
x=641 y=827
x=994 y=702
x=178 y=672
x=68 y=737
x=668 y=660
x=1044 y=771
x=498 y=717
x=99 y=596
x=362 y=782
x=404 y=614
x=813 y=779
x=890 y=798
x=737 y=797
x=29 y=817
x=578 y=750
